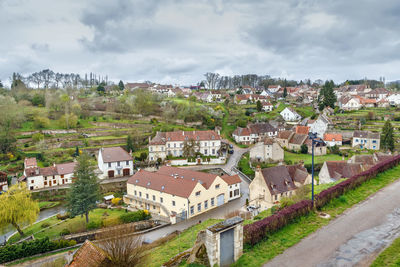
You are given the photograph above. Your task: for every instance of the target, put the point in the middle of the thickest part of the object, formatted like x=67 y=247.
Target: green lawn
x=302 y=227
x=180 y=243
x=74 y=225
x=390 y=256
x=295 y=158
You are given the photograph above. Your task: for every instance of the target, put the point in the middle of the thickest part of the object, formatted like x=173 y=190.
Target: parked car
x=230 y=151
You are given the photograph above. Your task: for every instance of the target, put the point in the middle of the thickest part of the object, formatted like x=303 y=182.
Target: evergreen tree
x=76 y=154
x=327 y=97
x=284 y=92
x=129 y=144
x=121 y=85
x=101 y=89
x=85 y=191
x=387 y=139
x=259 y=106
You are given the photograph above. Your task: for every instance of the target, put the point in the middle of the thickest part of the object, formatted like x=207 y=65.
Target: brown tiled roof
x=298 y=139
x=113 y=154
x=163 y=183
x=342 y=169
x=3 y=177
x=278 y=179
x=285 y=134
x=90 y=255
x=239 y=131
x=298 y=173
x=206 y=179
x=163 y=137
x=261 y=128
x=364 y=159
x=66 y=168
x=382 y=156
x=302 y=129
x=230 y=180
x=366 y=134
x=331 y=136
x=30 y=162
x=31 y=171
x=48 y=171
x=268 y=141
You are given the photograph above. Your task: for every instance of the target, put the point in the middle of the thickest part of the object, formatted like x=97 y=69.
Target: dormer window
x=213 y=137
x=137 y=181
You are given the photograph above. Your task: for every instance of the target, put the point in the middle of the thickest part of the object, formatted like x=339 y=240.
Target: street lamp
x=314 y=140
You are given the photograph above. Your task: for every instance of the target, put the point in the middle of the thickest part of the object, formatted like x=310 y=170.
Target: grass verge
x=390 y=256
x=302 y=227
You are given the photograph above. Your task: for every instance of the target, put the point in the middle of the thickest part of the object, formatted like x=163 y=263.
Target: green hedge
x=135 y=216
x=29 y=248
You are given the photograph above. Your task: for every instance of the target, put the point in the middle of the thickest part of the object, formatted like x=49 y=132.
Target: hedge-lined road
x=354 y=238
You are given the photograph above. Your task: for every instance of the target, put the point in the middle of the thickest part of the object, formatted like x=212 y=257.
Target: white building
x=289 y=114
x=114 y=162
x=267 y=107
x=267 y=151
x=208 y=143
x=321 y=125
x=394 y=99
x=56 y=175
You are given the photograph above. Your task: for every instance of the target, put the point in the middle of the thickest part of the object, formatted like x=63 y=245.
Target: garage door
x=220 y=200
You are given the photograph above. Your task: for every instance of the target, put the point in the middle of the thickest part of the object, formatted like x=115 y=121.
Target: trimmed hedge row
x=257 y=231
x=29 y=248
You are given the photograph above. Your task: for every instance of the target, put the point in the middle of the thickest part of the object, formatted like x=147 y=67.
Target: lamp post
x=314 y=140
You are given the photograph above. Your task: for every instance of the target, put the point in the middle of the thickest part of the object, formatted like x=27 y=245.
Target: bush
x=136 y=216
x=63 y=216
x=116 y=201
x=37 y=137
x=45 y=225
x=41 y=122
x=65 y=232
x=93 y=225
x=30 y=248
x=107 y=222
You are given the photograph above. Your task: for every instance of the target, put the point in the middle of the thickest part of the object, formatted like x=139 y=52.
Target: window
x=154 y=198
x=135 y=193
x=198 y=193
x=217 y=186
x=45 y=178
x=191 y=210
x=213 y=143
x=140 y=194
x=169 y=145
x=199 y=207
x=212 y=201
x=276 y=197
x=45 y=183
x=161 y=200
x=230 y=194
x=174 y=144
x=374 y=147
x=109 y=165
x=32 y=181
x=154 y=207
x=356 y=140
x=206 y=204
x=151 y=149
x=118 y=163
x=62 y=175
x=127 y=162
x=213 y=151
x=374 y=141
x=173 y=203
x=147 y=196
x=205 y=152
x=236 y=192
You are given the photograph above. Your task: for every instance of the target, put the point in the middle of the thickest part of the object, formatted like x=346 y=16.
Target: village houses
x=290 y=115
x=267 y=150
x=332 y=139
x=366 y=140
x=177 y=193
x=254 y=132
x=332 y=171
x=164 y=144
x=114 y=162
x=271 y=184
x=321 y=125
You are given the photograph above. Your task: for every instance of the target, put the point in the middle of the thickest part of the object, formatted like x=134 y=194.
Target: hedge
x=257 y=231
x=29 y=248
x=135 y=216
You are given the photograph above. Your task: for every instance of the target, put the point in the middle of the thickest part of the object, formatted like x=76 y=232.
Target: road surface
x=354 y=238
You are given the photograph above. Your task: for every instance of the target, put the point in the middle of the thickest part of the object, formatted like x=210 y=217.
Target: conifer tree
x=387 y=139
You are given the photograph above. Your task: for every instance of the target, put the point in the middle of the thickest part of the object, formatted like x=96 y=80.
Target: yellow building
x=177 y=194
x=271 y=184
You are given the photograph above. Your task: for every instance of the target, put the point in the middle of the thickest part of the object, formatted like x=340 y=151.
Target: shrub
x=107 y=222
x=63 y=216
x=116 y=201
x=93 y=225
x=30 y=248
x=65 y=232
x=136 y=216
x=45 y=225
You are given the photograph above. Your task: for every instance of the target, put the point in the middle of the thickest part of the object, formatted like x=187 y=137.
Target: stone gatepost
x=230 y=243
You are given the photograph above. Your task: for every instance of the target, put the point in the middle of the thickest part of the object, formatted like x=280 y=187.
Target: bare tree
x=123 y=248
x=47 y=77
x=211 y=80
x=36 y=78
x=58 y=78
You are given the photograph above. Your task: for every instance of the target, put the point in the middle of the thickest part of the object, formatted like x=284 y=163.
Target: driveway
x=354 y=238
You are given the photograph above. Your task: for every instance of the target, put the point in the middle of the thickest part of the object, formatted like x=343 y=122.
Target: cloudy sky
x=177 y=41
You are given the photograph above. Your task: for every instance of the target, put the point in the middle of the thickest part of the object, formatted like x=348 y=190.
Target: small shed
x=107 y=199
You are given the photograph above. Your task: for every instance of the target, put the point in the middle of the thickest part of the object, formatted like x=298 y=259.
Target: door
x=50 y=183
x=198 y=161
x=125 y=172
x=220 y=200
x=110 y=174
x=226 y=245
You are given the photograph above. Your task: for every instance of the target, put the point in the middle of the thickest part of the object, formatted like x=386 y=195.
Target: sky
x=177 y=41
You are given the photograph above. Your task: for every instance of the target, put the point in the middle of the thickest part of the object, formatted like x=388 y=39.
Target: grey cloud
x=40 y=47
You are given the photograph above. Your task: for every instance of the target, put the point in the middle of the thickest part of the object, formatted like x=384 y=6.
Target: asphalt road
x=354 y=238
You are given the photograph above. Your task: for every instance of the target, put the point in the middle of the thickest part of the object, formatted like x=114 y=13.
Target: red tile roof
x=206 y=179
x=302 y=129
x=30 y=162
x=230 y=180
x=163 y=137
x=333 y=136
x=342 y=169
x=280 y=179
x=90 y=255
x=113 y=154
x=66 y=168
x=163 y=183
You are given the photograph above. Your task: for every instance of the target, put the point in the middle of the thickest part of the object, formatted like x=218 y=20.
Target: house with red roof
x=46 y=177
x=332 y=139
x=178 y=193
